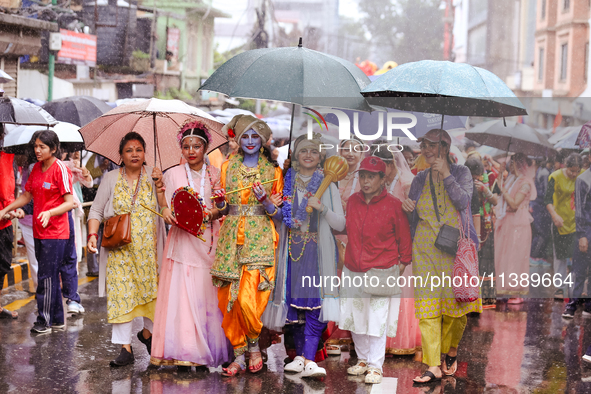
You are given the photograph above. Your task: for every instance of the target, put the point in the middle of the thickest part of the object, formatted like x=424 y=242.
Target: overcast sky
x=348 y=8
x=236 y=8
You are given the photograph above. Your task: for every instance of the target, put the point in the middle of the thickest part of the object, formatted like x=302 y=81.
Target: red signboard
x=77 y=48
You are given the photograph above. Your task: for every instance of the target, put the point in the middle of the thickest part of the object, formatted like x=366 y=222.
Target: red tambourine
x=190 y=211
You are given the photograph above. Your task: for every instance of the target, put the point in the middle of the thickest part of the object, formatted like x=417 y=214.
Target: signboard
x=173 y=37
x=77 y=48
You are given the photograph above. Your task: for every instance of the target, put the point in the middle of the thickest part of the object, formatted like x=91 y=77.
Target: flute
x=247 y=187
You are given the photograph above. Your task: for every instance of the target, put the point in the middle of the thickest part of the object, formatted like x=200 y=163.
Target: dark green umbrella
x=295 y=75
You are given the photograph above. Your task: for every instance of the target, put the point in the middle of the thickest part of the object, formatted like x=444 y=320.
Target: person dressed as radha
x=305 y=256
x=397 y=182
x=244 y=266
x=187 y=326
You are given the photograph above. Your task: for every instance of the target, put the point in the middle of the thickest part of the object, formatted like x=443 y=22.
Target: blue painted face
x=250 y=142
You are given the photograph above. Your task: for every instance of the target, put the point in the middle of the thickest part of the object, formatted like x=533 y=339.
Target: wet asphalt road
x=510 y=349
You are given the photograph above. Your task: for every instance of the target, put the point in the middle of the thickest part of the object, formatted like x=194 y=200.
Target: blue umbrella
x=369 y=122
x=443 y=87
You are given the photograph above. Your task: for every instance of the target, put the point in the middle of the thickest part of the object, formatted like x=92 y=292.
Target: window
x=541 y=65
x=543 y=10
x=563 y=61
x=566 y=5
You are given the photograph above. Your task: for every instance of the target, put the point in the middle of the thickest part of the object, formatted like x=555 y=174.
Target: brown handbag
x=117 y=230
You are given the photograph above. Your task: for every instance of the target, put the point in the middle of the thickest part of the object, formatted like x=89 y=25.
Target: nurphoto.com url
x=433 y=282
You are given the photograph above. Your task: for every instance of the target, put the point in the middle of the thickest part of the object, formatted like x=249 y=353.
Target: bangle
x=90 y=235
x=274 y=213
x=223 y=206
x=162 y=210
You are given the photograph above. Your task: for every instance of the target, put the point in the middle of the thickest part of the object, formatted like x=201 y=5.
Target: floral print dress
x=132 y=270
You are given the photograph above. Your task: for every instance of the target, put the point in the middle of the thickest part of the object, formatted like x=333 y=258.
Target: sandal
x=333 y=350
x=6 y=314
x=450 y=362
x=233 y=369
x=258 y=366
x=374 y=376
x=427 y=374
x=358 y=369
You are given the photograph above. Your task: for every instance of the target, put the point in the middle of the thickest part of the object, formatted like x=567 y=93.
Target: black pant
x=6 y=238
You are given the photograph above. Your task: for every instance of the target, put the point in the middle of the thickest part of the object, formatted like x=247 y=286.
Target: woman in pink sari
x=398 y=180
x=188 y=323
x=513 y=228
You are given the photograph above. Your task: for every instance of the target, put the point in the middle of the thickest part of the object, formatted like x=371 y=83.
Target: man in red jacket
x=380 y=241
x=378 y=229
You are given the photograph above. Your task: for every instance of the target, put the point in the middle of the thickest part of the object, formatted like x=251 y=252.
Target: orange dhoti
x=243 y=322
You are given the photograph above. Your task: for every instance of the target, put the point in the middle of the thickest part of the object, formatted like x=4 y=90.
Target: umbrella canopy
x=515 y=137
x=584 y=138
x=443 y=87
x=569 y=140
x=291 y=74
x=4 y=77
x=17 y=138
x=157 y=121
x=79 y=110
x=13 y=110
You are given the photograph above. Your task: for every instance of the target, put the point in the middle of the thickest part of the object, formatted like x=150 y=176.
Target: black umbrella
x=79 y=110
x=13 y=110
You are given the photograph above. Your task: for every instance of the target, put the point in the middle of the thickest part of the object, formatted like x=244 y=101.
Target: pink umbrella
x=584 y=138
x=157 y=121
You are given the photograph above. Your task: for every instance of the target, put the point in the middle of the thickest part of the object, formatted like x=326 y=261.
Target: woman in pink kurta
x=513 y=228
x=187 y=324
x=398 y=180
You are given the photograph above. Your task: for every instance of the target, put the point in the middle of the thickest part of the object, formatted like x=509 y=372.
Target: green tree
x=404 y=30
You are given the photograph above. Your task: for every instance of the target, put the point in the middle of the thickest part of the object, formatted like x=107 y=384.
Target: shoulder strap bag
x=448 y=236
x=117 y=230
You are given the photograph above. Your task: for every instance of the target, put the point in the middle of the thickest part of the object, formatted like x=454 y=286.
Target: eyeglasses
x=426 y=145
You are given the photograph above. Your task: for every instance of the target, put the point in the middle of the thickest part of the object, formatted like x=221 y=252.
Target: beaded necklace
x=204 y=169
x=307 y=188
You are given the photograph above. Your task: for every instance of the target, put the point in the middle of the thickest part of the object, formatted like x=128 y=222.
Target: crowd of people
x=271 y=247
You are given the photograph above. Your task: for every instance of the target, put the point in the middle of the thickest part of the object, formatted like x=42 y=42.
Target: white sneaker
x=74 y=307
x=296 y=366
x=312 y=370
